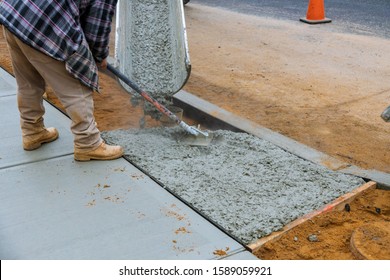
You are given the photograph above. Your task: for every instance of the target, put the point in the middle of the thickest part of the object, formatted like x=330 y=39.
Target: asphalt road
x=369 y=17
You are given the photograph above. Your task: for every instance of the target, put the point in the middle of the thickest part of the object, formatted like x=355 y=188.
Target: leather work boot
x=34 y=141
x=103 y=152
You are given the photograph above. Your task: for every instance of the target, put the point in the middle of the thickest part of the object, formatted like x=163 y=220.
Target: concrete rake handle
x=153 y=101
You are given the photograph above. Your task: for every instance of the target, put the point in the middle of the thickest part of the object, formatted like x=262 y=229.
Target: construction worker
x=60 y=43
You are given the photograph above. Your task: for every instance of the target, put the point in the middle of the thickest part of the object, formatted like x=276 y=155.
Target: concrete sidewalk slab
x=12 y=153
x=7 y=92
x=7 y=84
x=61 y=209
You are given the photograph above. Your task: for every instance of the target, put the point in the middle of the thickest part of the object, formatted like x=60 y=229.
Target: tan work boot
x=103 y=152
x=32 y=142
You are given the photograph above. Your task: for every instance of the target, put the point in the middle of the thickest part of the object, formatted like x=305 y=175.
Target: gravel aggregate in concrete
x=151 y=48
x=246 y=185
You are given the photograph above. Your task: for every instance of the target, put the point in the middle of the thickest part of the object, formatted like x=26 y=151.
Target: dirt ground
x=321 y=88
x=328 y=236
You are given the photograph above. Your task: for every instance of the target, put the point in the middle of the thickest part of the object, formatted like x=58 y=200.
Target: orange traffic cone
x=316 y=13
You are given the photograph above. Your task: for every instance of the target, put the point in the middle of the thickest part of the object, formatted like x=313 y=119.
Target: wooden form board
x=336 y=205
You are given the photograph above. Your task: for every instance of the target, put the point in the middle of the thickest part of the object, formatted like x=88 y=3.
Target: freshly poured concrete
x=246 y=185
x=151 y=49
x=151 y=46
x=206 y=112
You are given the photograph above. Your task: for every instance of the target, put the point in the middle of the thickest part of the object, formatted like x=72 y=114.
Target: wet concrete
x=246 y=185
x=151 y=48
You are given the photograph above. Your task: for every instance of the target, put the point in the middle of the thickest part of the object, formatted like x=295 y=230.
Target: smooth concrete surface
x=12 y=153
x=62 y=209
x=7 y=84
x=53 y=207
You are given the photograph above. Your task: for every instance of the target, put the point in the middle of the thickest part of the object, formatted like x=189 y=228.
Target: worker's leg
x=74 y=96
x=31 y=88
x=78 y=103
x=77 y=100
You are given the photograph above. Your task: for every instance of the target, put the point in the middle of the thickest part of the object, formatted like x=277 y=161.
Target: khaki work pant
x=32 y=70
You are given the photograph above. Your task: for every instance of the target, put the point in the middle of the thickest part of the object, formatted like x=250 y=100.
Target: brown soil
x=334 y=230
x=321 y=88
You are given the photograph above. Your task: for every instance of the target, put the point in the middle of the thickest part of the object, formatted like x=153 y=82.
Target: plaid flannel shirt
x=73 y=31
